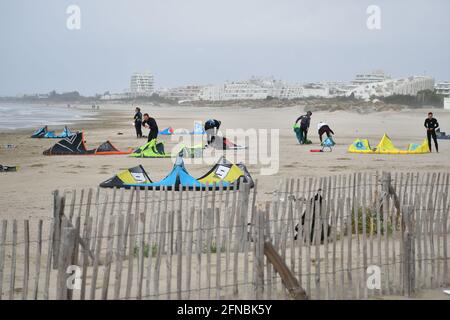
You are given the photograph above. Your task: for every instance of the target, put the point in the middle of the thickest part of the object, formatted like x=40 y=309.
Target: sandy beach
x=27 y=193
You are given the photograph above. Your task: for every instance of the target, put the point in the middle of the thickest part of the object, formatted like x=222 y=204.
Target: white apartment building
x=403 y=86
x=447 y=103
x=412 y=85
x=115 y=96
x=443 y=88
x=142 y=84
x=287 y=91
x=182 y=93
x=241 y=90
x=257 y=89
x=244 y=91
x=374 y=76
x=211 y=93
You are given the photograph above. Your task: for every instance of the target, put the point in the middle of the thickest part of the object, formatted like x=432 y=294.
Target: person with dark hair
x=431 y=124
x=138 y=122
x=150 y=123
x=211 y=128
x=322 y=127
x=305 y=121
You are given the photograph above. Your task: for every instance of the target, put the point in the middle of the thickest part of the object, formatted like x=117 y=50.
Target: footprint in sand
x=38 y=165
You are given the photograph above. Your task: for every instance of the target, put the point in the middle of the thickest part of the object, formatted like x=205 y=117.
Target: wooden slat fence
x=323 y=238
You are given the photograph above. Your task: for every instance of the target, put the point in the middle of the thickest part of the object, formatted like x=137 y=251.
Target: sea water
x=17 y=116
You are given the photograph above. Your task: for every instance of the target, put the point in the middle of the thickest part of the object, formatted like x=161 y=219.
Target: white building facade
x=443 y=88
x=258 y=89
x=374 y=76
x=401 y=86
x=189 y=93
x=142 y=84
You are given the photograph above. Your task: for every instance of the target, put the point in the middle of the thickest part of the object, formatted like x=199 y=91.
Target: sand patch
x=38 y=165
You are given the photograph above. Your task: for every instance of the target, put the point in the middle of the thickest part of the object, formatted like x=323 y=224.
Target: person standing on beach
x=322 y=127
x=211 y=128
x=431 y=124
x=305 y=121
x=150 y=123
x=138 y=122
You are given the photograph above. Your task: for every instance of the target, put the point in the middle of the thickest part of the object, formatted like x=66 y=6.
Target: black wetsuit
x=305 y=121
x=138 y=124
x=211 y=128
x=432 y=125
x=153 y=134
x=325 y=129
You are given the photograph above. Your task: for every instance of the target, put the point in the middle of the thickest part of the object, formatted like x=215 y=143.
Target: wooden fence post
x=409 y=270
x=259 y=257
x=58 y=212
x=68 y=235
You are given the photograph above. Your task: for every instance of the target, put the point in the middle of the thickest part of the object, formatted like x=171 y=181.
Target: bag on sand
x=298 y=133
x=300 y=136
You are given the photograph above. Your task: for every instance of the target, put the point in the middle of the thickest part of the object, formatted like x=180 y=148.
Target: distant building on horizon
x=443 y=88
x=260 y=88
x=142 y=84
x=374 y=76
x=189 y=93
x=398 y=86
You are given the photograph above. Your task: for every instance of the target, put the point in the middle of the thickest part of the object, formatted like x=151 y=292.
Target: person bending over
x=138 y=122
x=211 y=128
x=431 y=125
x=150 y=123
x=305 y=121
x=322 y=127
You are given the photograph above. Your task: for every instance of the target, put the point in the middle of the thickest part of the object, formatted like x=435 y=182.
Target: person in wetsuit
x=150 y=123
x=138 y=122
x=211 y=128
x=305 y=121
x=322 y=127
x=431 y=124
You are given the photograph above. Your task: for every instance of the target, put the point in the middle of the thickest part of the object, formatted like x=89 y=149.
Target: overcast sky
x=210 y=41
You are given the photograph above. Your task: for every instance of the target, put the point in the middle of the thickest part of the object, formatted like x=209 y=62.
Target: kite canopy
x=75 y=145
x=66 y=133
x=40 y=133
x=223 y=143
x=195 y=151
x=152 y=149
x=226 y=171
x=167 y=131
x=360 y=146
x=133 y=175
x=44 y=133
x=49 y=135
x=224 y=174
x=386 y=146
